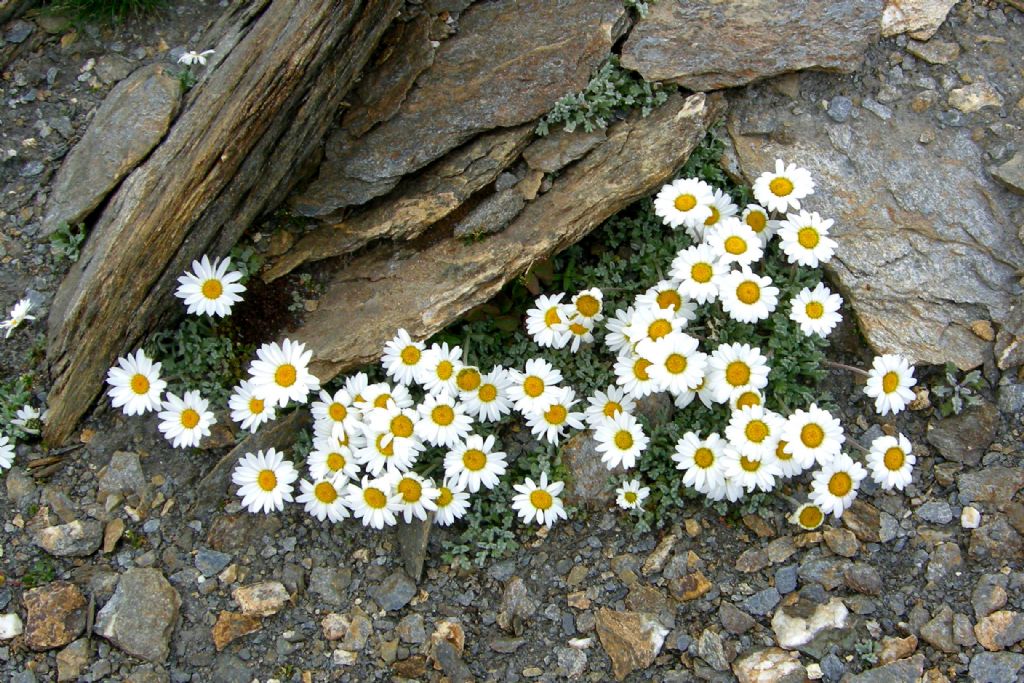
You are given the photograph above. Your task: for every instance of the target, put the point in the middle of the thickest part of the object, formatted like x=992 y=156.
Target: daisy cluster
x=27 y=421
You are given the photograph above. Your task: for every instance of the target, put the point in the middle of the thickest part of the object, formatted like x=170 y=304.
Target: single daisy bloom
x=443 y=421
x=281 y=373
x=29 y=419
x=19 y=314
x=185 y=421
x=754 y=431
x=735 y=367
x=382 y=395
x=804 y=239
x=135 y=384
x=722 y=208
x=654 y=324
x=676 y=364
x=210 y=289
x=416 y=496
x=745 y=398
x=581 y=331
x=891 y=462
x=736 y=242
x=588 y=304
x=452 y=503
x=607 y=404
x=684 y=202
x=835 y=485
x=547 y=322
x=615 y=337
x=402 y=358
x=6 y=452
x=382 y=454
x=552 y=423
x=438 y=369
x=729 y=489
x=667 y=295
x=631 y=495
x=489 y=401
x=334 y=411
x=816 y=310
x=783 y=189
x=757 y=218
x=328 y=460
x=539 y=502
x=808 y=517
x=813 y=435
x=353 y=440
x=323 y=499
x=788 y=465
x=620 y=441
x=750 y=471
x=746 y=296
x=355 y=385
x=374 y=501
x=397 y=428
x=190 y=57
x=696 y=269
x=475 y=463
x=264 y=480
x=247 y=410
x=632 y=373
x=532 y=391
x=468 y=380
x=889 y=382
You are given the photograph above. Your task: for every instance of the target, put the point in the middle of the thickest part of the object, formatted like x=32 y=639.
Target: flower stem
x=848 y=368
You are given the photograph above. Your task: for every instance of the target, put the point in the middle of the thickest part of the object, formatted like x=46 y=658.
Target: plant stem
x=848 y=368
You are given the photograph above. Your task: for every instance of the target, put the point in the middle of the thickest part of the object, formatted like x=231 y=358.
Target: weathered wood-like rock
x=131 y=121
x=508 y=64
x=279 y=73
x=708 y=44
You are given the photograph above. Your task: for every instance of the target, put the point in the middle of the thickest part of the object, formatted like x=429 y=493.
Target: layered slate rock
x=926 y=243
x=508 y=64
x=709 y=44
x=141 y=615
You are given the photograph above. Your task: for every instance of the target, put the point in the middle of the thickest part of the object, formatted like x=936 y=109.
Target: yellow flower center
x=468 y=379
x=713 y=218
x=445 y=370
x=781 y=187
x=410 y=355
x=588 y=305
x=335 y=462
x=814 y=310
x=325 y=493
x=685 y=202
x=890 y=381
x=737 y=373
x=630 y=497
x=640 y=369
x=670 y=299
x=375 y=498
x=189 y=418
x=474 y=459
x=703 y=458
x=808 y=238
x=701 y=272
x=840 y=484
x=811 y=517
x=442 y=415
x=386 y=451
x=541 y=499
x=337 y=411
x=756 y=431
x=894 y=458
x=749 y=465
x=285 y=375
x=748 y=292
x=659 y=328
x=578 y=329
x=748 y=398
x=445 y=498
x=812 y=435
x=140 y=383
x=381 y=401
x=556 y=414
x=780 y=451
x=735 y=245
x=488 y=393
x=757 y=221
x=675 y=363
x=402 y=426
x=267 y=480
x=256 y=406
x=611 y=409
x=212 y=289
x=552 y=317
x=623 y=439
x=533 y=386
x=410 y=489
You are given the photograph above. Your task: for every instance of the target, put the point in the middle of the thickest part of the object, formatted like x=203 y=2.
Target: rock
x=72 y=660
x=944 y=563
x=451 y=663
x=863 y=578
x=735 y=620
x=786 y=579
x=140 y=617
x=122 y=475
x=893 y=649
x=990 y=485
x=560 y=148
x=352 y=630
x=705 y=45
x=571 y=662
x=211 y=562
x=864 y=520
x=763 y=602
x=842 y=542
x=963 y=631
x=996 y=540
x=995 y=667
x=112 y=68
x=711 y=649
x=967 y=436
x=934 y=51
x=18 y=31
x=655 y=562
x=129 y=123
x=1000 y=630
x=517 y=604
x=935 y=512
x=839 y=108
x=587 y=483
x=920 y=18
x=938 y=632
x=414 y=667
x=231 y=626
x=394 y=592
x=331 y=584
x=21 y=488
x=507 y=65
x=689 y=587
x=412 y=540
x=903 y=671
x=491 y=215
x=55 y=615
x=112 y=533
x=989 y=595
x=77 y=539
x=975 y=96
x=792 y=631
x=261 y=599
x=827 y=571
x=10 y=626
x=752 y=560
x=771 y=665
x=970 y=518
x=1011 y=173
x=631 y=639
x=895 y=241
x=410 y=629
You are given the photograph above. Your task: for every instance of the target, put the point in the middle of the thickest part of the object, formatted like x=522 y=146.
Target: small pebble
x=970 y=518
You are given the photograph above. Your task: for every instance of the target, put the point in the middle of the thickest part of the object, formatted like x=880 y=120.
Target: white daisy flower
x=750 y=471
x=808 y=517
x=816 y=310
x=264 y=480
x=18 y=315
x=374 y=501
x=813 y=435
x=676 y=364
x=353 y=440
x=632 y=373
x=356 y=385
x=734 y=367
x=190 y=57
x=631 y=495
x=757 y=218
x=745 y=398
x=557 y=417
x=383 y=453
x=754 y=431
x=6 y=452
x=729 y=489
x=722 y=208
x=684 y=202
x=328 y=460
x=281 y=373
x=323 y=499
x=416 y=496
x=783 y=189
x=539 y=502
x=332 y=412
x=185 y=421
x=804 y=239
x=547 y=322
x=475 y=463
x=452 y=503
x=607 y=404
x=889 y=382
x=746 y=296
x=620 y=441
x=696 y=269
x=29 y=420
x=891 y=462
x=443 y=420
x=398 y=429
x=380 y=396
x=588 y=304
x=789 y=465
x=654 y=324
x=667 y=295
x=736 y=242
x=402 y=358
x=210 y=289
x=439 y=365
x=467 y=380
x=615 y=337
x=247 y=410
x=581 y=331
x=835 y=485
x=532 y=391
x=135 y=384
x=489 y=401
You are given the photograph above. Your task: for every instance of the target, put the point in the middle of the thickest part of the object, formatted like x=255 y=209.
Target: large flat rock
x=926 y=243
x=508 y=64
x=710 y=44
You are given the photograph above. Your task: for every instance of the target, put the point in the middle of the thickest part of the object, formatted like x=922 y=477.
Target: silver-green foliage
x=958 y=393
x=66 y=241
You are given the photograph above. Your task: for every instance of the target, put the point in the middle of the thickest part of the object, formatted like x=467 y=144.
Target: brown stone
x=560 y=148
x=655 y=562
x=261 y=599
x=112 y=534
x=757 y=524
x=1000 y=630
x=689 y=587
x=414 y=667
x=841 y=541
x=752 y=560
x=864 y=520
x=896 y=648
x=996 y=540
x=55 y=615
x=920 y=18
x=231 y=626
x=631 y=639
